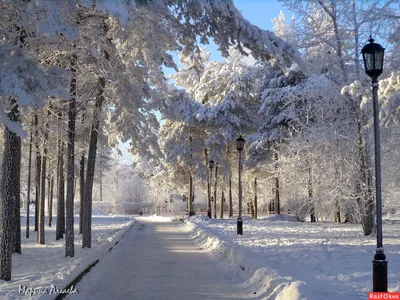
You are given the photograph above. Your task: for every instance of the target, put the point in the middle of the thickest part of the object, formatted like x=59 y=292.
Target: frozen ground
x=302 y=260
x=41 y=266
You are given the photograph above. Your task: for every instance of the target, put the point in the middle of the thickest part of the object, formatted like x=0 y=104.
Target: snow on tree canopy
x=56 y=18
x=23 y=79
x=119 y=9
x=222 y=21
x=389 y=96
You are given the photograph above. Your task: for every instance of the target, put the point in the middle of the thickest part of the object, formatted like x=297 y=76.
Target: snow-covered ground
x=41 y=266
x=292 y=260
x=277 y=257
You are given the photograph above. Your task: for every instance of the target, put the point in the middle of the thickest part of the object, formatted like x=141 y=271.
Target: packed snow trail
x=158 y=260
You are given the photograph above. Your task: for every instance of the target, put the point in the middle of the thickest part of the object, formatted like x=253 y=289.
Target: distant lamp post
x=373 y=61
x=240 y=145
x=211 y=165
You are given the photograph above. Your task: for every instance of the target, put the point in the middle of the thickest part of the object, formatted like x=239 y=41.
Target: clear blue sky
x=259 y=13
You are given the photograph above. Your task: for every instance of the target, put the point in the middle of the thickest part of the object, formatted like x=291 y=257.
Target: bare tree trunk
x=221 y=209
x=38 y=172
x=190 y=200
x=91 y=161
x=362 y=197
x=81 y=179
x=69 y=201
x=250 y=208
x=62 y=185
x=215 y=192
x=60 y=225
x=42 y=198
x=75 y=184
x=310 y=193
x=208 y=182
x=255 y=198
x=10 y=240
x=337 y=212
x=81 y=190
x=16 y=188
x=100 y=179
x=230 y=209
x=277 y=204
x=50 y=200
x=271 y=202
x=337 y=203
x=48 y=196
x=28 y=198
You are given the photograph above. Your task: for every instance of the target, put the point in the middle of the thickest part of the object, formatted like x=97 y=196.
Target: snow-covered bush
x=300 y=207
x=132 y=194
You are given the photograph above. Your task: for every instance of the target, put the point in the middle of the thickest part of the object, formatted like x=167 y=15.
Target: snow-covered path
x=158 y=260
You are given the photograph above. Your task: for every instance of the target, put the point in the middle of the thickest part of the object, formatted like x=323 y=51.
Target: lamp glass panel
x=369 y=61
x=378 y=60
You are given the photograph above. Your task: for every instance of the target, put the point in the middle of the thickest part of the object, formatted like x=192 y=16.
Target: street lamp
x=373 y=61
x=240 y=145
x=211 y=165
x=215 y=192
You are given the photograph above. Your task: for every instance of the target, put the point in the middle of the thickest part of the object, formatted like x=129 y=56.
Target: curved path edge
x=86 y=270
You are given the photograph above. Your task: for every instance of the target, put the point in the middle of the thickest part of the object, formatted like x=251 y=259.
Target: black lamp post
x=211 y=165
x=373 y=61
x=215 y=193
x=240 y=145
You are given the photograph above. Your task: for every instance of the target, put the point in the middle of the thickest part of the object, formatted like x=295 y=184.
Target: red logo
x=384 y=295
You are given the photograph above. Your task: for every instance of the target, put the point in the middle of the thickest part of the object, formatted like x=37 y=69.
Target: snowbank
x=41 y=266
x=295 y=260
x=265 y=282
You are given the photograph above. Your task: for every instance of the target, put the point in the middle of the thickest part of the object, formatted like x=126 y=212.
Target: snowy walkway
x=158 y=260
